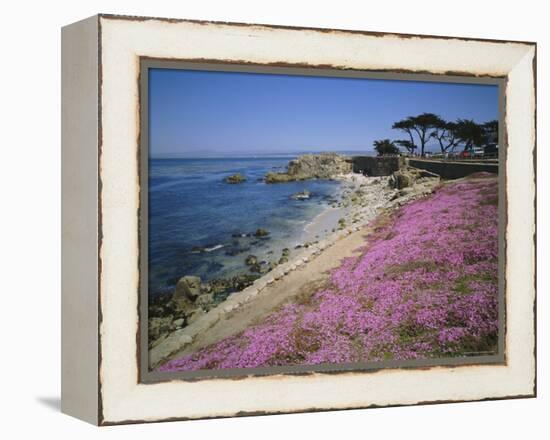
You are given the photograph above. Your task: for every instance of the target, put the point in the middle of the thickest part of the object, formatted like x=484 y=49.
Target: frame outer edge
x=100 y=419
x=535 y=204
x=80 y=225
x=142 y=18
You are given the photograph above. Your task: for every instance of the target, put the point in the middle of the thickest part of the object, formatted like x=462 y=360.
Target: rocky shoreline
x=174 y=319
x=312 y=166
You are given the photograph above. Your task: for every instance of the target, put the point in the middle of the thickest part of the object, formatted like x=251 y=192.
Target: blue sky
x=199 y=113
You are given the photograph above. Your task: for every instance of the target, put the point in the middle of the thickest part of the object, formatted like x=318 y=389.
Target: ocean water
x=194 y=216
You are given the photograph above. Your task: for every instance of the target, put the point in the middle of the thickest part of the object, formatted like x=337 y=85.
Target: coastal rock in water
x=278 y=178
x=284 y=256
x=261 y=233
x=242 y=281
x=302 y=195
x=218 y=286
x=312 y=166
x=235 y=178
x=182 y=306
x=260 y=268
x=170 y=312
x=222 y=286
x=187 y=287
x=320 y=166
x=251 y=260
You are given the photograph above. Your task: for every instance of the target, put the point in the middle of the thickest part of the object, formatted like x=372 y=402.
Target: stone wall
x=453 y=170
x=376 y=166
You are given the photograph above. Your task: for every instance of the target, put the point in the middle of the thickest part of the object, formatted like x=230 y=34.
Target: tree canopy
x=469 y=133
x=385 y=147
x=407 y=145
x=424 y=127
x=445 y=134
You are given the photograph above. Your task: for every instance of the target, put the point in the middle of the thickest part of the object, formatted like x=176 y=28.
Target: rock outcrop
x=407 y=176
x=190 y=299
x=235 y=178
x=188 y=287
x=302 y=195
x=312 y=166
x=260 y=232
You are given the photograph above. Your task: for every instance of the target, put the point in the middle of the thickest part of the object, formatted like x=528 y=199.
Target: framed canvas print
x=263 y=219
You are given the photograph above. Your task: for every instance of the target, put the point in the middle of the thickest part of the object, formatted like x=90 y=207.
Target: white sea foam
x=214 y=248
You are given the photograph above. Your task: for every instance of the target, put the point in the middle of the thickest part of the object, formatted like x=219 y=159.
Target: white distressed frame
x=122 y=41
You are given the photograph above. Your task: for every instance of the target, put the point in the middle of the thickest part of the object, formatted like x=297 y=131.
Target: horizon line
x=253 y=154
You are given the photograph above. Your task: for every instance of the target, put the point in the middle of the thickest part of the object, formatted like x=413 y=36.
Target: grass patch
x=410 y=266
x=390 y=235
x=305 y=296
x=472 y=346
x=490 y=201
x=367 y=303
x=304 y=341
x=409 y=331
x=461 y=286
x=481 y=175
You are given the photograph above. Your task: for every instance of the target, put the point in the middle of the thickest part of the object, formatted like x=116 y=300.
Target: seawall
x=384 y=166
x=453 y=170
x=377 y=166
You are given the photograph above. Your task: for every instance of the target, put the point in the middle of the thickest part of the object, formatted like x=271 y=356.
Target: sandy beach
x=359 y=198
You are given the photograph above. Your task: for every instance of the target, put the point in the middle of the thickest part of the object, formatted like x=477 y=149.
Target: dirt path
x=306 y=279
